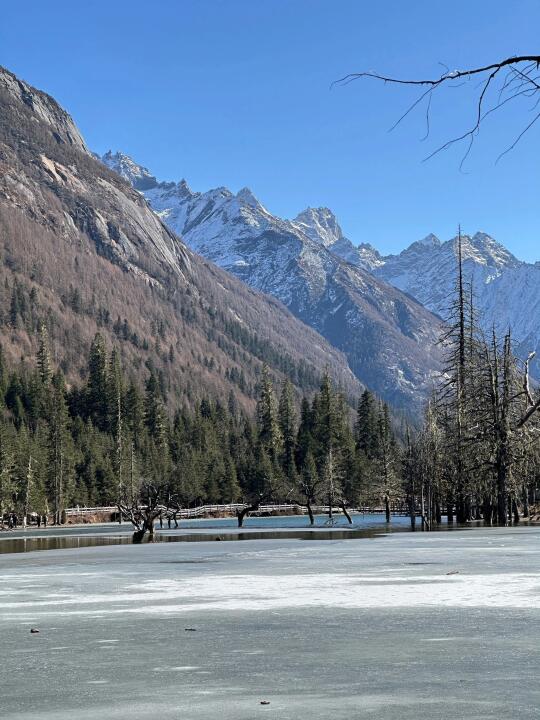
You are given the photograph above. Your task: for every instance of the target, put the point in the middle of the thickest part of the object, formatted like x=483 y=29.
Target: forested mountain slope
x=81 y=251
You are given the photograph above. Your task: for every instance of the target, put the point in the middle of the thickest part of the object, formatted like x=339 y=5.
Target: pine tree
x=268 y=426
x=58 y=448
x=325 y=419
x=116 y=422
x=7 y=479
x=44 y=363
x=4 y=376
x=365 y=428
x=134 y=414
x=97 y=386
x=387 y=460
x=156 y=467
x=14 y=308
x=154 y=413
x=330 y=421
x=287 y=425
x=304 y=438
x=230 y=487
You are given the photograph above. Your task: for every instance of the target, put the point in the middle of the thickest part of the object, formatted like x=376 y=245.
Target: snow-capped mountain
x=506 y=290
x=307 y=263
x=427 y=268
x=136 y=175
x=321 y=225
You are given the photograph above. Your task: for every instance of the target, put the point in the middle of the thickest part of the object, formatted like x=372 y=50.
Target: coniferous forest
x=110 y=441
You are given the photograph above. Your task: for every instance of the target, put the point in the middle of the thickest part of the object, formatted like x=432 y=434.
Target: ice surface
x=400 y=626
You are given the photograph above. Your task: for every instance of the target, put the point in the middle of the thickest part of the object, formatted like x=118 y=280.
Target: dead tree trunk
x=515 y=511
x=502 y=434
x=345 y=512
x=502 y=498
x=461 y=514
x=310 y=513
x=143 y=516
x=525 y=501
x=412 y=512
x=138 y=536
x=241 y=514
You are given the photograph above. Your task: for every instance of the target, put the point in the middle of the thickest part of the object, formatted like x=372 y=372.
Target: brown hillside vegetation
x=82 y=251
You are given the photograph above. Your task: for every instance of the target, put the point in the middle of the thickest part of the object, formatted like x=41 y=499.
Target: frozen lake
x=398 y=626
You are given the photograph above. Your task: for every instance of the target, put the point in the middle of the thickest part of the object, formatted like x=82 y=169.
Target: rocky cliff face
x=82 y=250
x=321 y=225
x=43 y=107
x=388 y=338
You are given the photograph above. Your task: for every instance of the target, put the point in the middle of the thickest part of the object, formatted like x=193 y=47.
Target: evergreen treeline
x=110 y=442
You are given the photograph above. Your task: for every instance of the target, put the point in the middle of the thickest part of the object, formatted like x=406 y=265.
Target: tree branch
x=520 y=81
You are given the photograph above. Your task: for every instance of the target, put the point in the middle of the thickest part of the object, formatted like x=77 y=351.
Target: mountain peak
x=369 y=257
x=246 y=196
x=430 y=240
x=485 y=250
x=183 y=189
x=321 y=213
x=139 y=176
x=44 y=108
x=320 y=224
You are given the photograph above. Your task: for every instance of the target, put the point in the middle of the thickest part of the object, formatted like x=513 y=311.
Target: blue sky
x=237 y=92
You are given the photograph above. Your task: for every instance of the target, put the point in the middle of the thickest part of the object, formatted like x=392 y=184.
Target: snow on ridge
x=506 y=290
x=319 y=224
x=139 y=176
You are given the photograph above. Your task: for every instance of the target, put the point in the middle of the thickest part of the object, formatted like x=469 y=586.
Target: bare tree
x=143 y=508
x=331 y=486
x=456 y=395
x=310 y=486
x=498 y=84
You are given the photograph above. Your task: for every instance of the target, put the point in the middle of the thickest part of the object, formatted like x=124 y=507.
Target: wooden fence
x=231 y=509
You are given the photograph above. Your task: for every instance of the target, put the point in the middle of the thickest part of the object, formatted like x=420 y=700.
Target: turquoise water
x=79 y=536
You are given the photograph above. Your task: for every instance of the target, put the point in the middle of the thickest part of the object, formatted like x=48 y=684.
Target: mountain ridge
x=388 y=337
x=506 y=290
